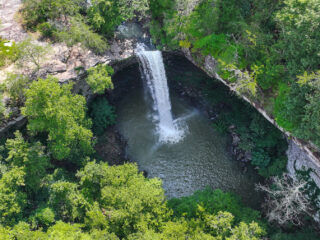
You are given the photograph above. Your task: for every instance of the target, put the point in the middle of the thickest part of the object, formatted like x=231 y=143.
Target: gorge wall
x=301 y=156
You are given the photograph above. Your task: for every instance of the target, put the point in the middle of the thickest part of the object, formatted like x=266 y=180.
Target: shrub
x=213 y=201
x=46 y=29
x=43 y=217
x=30 y=52
x=102 y=115
x=15 y=84
x=8 y=52
x=2 y=107
x=39 y=11
x=80 y=32
x=99 y=78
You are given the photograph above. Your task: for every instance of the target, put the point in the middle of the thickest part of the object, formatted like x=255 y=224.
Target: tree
x=244 y=231
x=105 y=15
x=286 y=200
x=67 y=201
x=300 y=33
x=39 y=11
x=129 y=201
x=12 y=199
x=30 y=52
x=43 y=217
x=31 y=158
x=53 y=109
x=99 y=78
x=102 y=115
x=79 y=32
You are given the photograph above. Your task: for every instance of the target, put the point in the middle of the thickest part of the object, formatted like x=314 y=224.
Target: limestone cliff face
x=301 y=156
x=299 y=159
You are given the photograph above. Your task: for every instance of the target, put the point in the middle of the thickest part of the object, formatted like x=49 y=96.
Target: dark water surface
x=201 y=159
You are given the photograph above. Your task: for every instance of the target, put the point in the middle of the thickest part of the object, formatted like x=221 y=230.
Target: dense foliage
x=54 y=110
x=8 y=52
x=102 y=114
x=80 y=21
x=260 y=53
x=100 y=202
x=213 y=202
x=106 y=15
x=63 y=21
x=99 y=78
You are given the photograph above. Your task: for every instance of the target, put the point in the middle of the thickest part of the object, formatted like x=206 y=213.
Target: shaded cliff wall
x=300 y=155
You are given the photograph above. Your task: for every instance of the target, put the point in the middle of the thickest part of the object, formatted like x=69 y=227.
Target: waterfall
x=152 y=67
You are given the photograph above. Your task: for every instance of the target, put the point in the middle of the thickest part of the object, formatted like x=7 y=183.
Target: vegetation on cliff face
x=271 y=49
x=255 y=140
x=99 y=78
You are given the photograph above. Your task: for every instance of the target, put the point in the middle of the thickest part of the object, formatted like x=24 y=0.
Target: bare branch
x=286 y=200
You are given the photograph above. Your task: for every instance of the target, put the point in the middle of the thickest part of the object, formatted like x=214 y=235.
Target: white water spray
x=155 y=75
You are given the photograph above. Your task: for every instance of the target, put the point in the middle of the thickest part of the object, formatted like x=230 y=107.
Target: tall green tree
x=12 y=199
x=54 y=110
x=106 y=15
x=31 y=158
x=300 y=34
x=131 y=202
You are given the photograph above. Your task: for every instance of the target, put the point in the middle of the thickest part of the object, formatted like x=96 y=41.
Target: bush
x=39 y=11
x=213 y=201
x=15 y=84
x=31 y=52
x=99 y=78
x=46 y=29
x=102 y=115
x=8 y=52
x=282 y=110
x=80 y=32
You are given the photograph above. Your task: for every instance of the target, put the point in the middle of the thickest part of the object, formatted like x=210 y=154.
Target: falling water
x=154 y=72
